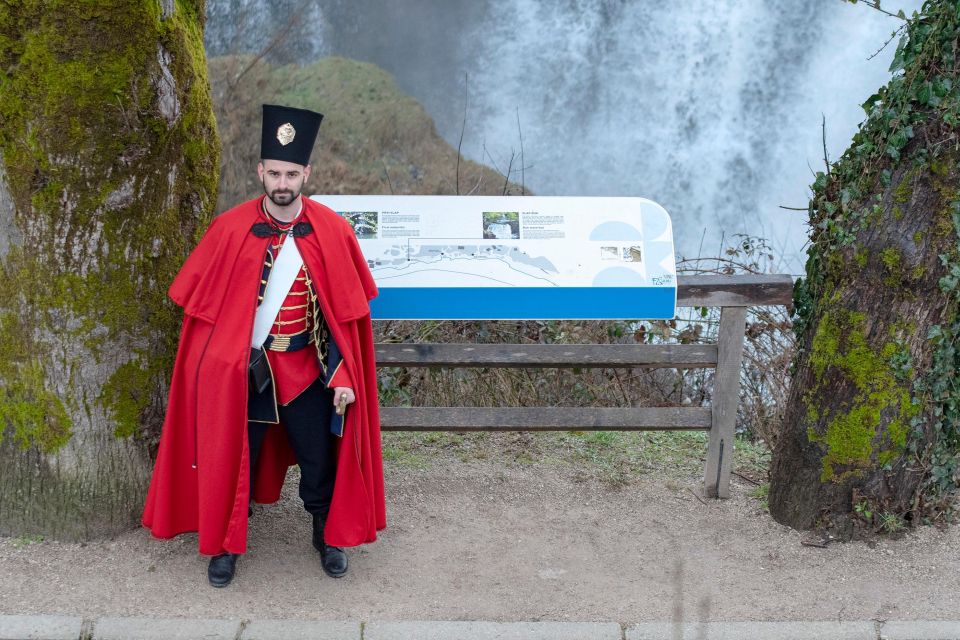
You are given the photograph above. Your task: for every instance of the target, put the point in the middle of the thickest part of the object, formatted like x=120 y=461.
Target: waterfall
x=711 y=108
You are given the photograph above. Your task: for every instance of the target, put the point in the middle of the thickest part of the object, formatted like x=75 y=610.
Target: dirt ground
x=484 y=539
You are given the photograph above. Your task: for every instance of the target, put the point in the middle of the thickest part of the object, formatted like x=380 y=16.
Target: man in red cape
x=239 y=412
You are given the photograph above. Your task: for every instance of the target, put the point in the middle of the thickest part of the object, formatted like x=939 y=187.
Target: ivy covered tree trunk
x=108 y=170
x=870 y=435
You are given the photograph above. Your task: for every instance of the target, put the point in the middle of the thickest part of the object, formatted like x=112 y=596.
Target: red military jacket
x=201 y=478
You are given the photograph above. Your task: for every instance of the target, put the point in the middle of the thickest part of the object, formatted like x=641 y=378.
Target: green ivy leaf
x=897 y=64
x=941 y=86
x=820 y=183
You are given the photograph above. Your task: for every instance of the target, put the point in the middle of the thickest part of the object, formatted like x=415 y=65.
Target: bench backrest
x=732 y=293
x=458 y=257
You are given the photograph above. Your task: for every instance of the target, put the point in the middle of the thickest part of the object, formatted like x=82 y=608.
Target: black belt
x=288 y=343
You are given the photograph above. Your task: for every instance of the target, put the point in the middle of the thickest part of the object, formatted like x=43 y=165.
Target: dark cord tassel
x=302 y=229
x=263 y=230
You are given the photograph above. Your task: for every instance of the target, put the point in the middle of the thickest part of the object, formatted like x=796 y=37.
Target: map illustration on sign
x=530 y=257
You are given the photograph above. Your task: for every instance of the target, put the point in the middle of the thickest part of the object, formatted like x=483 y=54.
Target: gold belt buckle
x=282 y=343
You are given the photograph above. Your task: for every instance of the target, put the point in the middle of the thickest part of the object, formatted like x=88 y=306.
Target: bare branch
x=386 y=172
x=694 y=494
x=476 y=187
x=490 y=157
x=892 y=36
x=523 y=180
x=875 y=4
x=506 y=177
x=463 y=127
x=823 y=138
x=279 y=36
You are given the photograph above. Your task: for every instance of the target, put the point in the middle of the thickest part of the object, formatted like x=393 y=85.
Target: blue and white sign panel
x=512 y=258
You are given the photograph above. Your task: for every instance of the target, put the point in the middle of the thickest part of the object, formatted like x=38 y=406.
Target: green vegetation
x=891 y=523
x=890 y=257
x=762 y=493
x=23 y=541
x=879 y=521
x=894 y=155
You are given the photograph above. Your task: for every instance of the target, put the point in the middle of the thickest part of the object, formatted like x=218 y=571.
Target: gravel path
x=479 y=540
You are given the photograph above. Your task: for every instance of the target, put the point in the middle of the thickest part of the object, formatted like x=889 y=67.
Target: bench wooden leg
x=726 y=393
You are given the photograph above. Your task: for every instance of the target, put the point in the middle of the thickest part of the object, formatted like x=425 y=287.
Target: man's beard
x=281 y=197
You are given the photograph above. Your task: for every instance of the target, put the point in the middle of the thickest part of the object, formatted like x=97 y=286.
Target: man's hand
x=342 y=396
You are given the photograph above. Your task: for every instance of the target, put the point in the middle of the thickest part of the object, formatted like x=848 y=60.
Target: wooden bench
x=733 y=294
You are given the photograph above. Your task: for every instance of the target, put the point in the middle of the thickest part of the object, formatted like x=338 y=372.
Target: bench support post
x=726 y=394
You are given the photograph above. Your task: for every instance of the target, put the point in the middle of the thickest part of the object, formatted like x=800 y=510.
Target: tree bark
x=865 y=421
x=108 y=171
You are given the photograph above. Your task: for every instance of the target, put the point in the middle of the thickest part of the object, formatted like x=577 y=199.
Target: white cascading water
x=711 y=107
x=714 y=109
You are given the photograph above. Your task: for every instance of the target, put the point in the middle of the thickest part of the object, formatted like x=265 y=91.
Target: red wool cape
x=201 y=479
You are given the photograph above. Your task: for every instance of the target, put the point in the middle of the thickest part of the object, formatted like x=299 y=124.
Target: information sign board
x=514 y=257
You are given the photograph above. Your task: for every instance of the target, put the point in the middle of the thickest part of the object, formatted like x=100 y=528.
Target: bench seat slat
x=543 y=418
x=546 y=355
x=734 y=291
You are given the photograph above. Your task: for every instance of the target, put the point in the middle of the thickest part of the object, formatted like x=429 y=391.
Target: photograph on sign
x=501 y=225
x=364 y=223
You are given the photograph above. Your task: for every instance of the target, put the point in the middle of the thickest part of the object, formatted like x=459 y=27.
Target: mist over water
x=713 y=109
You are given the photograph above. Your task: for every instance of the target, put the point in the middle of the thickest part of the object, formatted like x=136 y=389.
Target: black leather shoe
x=221 y=569
x=332 y=559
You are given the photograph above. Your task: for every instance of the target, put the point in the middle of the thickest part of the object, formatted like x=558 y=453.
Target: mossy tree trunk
x=108 y=172
x=870 y=432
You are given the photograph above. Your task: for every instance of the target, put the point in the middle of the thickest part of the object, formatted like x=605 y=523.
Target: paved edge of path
x=60 y=627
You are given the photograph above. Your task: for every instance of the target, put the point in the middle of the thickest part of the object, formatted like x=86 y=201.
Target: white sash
x=281 y=278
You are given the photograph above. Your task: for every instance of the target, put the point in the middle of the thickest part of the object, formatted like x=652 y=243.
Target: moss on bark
x=855 y=437
x=111 y=156
x=872 y=414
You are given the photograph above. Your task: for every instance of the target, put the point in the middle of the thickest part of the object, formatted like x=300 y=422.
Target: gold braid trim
x=283 y=322
x=318 y=325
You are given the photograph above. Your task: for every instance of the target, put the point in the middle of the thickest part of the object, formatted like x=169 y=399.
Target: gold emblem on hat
x=286 y=133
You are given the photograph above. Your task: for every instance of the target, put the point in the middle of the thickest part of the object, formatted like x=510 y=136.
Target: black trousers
x=307 y=423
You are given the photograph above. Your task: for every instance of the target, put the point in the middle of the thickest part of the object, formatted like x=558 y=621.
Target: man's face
x=282 y=181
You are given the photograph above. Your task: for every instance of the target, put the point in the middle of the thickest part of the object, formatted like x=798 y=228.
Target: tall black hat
x=288 y=133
